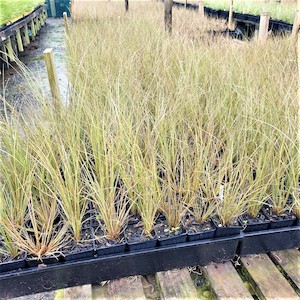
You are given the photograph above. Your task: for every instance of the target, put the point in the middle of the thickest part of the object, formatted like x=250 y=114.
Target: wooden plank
x=289 y=260
x=150 y=286
x=83 y=292
x=226 y=282
x=33 y=31
x=100 y=292
x=10 y=50
x=177 y=284
x=129 y=288
x=19 y=40
x=26 y=39
x=268 y=281
x=37 y=24
x=41 y=18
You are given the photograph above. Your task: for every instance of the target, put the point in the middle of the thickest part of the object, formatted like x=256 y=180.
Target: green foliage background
x=11 y=10
x=278 y=11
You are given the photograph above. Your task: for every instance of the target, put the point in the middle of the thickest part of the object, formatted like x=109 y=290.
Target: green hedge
x=11 y=10
x=278 y=11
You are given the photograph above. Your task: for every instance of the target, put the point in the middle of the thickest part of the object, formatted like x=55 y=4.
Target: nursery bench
x=268 y=276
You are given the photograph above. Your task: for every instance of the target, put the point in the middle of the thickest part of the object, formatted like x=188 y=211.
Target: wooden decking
x=265 y=276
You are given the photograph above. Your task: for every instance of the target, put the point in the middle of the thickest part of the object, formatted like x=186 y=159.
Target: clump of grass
x=16 y=172
x=41 y=236
x=285 y=186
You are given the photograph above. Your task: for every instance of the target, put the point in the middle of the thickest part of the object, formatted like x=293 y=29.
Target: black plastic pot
x=254 y=226
x=196 y=231
x=281 y=223
x=166 y=241
x=151 y=243
x=84 y=254
x=13 y=265
x=136 y=240
x=297 y=222
x=269 y=240
x=34 y=262
x=99 y=269
x=224 y=231
x=274 y=223
x=114 y=249
x=208 y=234
x=167 y=236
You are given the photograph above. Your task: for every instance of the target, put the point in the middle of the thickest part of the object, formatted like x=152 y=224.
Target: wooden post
x=231 y=25
x=296 y=25
x=10 y=50
x=19 y=40
x=4 y=55
x=26 y=36
x=168 y=15
x=263 y=26
x=52 y=8
x=201 y=9
x=33 y=32
x=71 y=8
x=66 y=23
x=126 y=5
x=37 y=24
x=52 y=77
x=41 y=18
x=185 y=3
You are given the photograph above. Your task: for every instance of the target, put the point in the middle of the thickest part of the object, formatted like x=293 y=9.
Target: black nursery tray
x=92 y=271
x=18 y=282
x=269 y=240
x=13 y=265
x=274 y=25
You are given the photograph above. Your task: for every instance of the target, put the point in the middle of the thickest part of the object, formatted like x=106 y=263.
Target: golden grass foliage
x=154 y=123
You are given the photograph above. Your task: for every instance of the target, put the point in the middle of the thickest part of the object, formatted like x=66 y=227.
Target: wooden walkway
x=265 y=276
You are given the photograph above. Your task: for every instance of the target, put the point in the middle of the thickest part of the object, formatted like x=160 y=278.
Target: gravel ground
x=15 y=88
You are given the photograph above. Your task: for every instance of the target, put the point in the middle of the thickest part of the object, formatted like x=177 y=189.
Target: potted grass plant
x=108 y=194
x=259 y=178
x=232 y=196
x=282 y=188
x=173 y=165
x=148 y=191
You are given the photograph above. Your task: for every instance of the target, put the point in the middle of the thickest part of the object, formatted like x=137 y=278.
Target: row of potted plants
x=95 y=244
x=153 y=130
x=250 y=19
